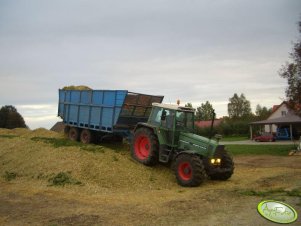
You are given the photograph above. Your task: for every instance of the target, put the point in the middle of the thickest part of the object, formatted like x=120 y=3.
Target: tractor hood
x=198 y=144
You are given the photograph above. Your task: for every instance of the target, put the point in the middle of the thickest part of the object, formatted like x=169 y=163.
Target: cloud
x=189 y=50
x=36 y=116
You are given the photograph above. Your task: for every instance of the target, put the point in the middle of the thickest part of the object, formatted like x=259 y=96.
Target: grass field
x=276 y=150
x=48 y=180
x=235 y=138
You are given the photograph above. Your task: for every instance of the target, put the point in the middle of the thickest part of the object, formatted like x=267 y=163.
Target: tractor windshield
x=184 y=121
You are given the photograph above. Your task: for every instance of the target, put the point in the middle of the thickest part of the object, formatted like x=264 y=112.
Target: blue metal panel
x=75 y=96
x=86 y=97
x=117 y=113
x=93 y=109
x=95 y=116
x=120 y=97
x=73 y=113
x=84 y=115
x=109 y=98
x=97 y=97
x=107 y=117
x=68 y=97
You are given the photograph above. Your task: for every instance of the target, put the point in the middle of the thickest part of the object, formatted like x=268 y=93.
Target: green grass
x=279 y=194
x=234 y=138
x=279 y=150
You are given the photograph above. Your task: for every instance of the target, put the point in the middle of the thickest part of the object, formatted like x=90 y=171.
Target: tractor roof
x=173 y=107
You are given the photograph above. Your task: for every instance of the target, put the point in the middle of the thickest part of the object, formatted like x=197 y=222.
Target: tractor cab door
x=166 y=128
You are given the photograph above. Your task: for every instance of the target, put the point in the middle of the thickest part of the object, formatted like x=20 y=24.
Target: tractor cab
x=170 y=121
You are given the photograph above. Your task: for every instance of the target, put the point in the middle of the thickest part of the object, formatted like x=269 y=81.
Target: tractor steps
x=164 y=155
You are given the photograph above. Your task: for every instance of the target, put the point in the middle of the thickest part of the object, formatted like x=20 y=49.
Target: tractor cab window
x=155 y=117
x=184 y=120
x=167 y=118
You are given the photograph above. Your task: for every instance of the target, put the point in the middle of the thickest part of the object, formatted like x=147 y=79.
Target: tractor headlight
x=215 y=161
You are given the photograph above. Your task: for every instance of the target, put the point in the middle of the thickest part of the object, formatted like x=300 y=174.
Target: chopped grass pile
x=63 y=142
x=82 y=87
x=8 y=176
x=39 y=155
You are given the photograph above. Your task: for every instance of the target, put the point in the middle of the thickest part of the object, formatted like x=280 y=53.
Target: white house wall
x=277 y=114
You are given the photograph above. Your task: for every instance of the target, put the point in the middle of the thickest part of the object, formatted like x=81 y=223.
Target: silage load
x=82 y=87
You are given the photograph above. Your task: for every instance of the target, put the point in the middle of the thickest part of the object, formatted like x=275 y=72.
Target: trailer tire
x=189 y=170
x=66 y=130
x=73 y=134
x=86 y=136
x=144 y=147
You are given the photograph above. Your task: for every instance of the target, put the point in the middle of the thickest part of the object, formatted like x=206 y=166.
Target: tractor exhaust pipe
x=212 y=123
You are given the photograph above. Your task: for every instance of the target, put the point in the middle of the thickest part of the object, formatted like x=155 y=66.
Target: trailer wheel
x=86 y=136
x=73 y=134
x=189 y=170
x=144 y=147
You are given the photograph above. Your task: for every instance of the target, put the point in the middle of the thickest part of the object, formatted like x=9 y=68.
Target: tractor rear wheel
x=189 y=170
x=225 y=171
x=145 y=147
x=86 y=136
x=73 y=134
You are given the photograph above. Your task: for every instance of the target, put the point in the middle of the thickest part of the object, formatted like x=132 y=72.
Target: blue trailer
x=93 y=114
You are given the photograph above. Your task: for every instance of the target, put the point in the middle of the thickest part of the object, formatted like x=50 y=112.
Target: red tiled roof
x=204 y=124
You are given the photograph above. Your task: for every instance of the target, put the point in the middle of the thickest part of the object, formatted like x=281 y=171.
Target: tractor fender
x=190 y=152
x=145 y=125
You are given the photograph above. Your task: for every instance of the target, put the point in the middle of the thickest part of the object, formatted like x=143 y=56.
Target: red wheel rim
x=142 y=147
x=185 y=171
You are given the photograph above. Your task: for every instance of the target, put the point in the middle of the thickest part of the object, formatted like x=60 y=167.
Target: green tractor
x=168 y=137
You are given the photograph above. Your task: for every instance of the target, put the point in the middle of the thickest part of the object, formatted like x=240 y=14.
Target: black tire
x=189 y=170
x=144 y=147
x=66 y=130
x=86 y=136
x=73 y=134
x=226 y=169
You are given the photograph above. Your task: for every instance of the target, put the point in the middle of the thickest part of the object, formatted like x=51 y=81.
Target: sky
x=192 y=50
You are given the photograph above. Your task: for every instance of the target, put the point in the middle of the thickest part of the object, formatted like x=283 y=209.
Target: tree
x=204 y=112
x=292 y=72
x=188 y=105
x=10 y=118
x=239 y=107
x=262 y=112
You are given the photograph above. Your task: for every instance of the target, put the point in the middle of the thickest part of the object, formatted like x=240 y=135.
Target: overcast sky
x=192 y=50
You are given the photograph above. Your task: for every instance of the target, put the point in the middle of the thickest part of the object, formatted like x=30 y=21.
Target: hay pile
x=100 y=168
x=81 y=87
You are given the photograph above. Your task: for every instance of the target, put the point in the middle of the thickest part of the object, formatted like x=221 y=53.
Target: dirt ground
x=32 y=202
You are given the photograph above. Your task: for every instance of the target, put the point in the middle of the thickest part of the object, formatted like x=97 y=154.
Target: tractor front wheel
x=189 y=170
x=226 y=169
x=145 y=147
